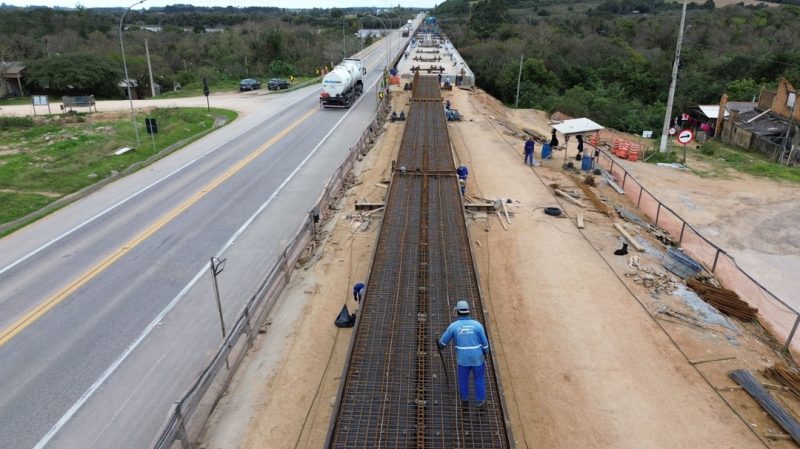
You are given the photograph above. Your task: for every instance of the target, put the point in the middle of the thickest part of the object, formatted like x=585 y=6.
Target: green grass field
x=722 y=157
x=58 y=155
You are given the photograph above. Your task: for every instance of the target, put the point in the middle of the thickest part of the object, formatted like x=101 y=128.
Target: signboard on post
x=647 y=134
x=684 y=138
x=40 y=100
x=672 y=131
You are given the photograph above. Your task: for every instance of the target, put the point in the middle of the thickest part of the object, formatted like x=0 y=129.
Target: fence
x=780 y=318
x=189 y=415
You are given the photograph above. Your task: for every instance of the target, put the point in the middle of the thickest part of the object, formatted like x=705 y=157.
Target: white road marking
x=110 y=370
x=135 y=194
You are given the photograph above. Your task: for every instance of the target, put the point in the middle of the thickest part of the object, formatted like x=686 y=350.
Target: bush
x=16 y=122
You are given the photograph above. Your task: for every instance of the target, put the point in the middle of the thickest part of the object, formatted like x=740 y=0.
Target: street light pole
x=125 y=65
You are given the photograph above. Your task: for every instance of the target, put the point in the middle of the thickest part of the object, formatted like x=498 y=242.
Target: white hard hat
x=462 y=306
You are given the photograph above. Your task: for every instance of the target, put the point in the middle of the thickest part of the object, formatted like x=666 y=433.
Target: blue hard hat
x=462 y=306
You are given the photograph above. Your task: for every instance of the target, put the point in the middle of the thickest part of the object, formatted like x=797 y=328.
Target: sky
x=235 y=3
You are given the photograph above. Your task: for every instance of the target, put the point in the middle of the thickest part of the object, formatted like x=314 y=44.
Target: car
x=249 y=84
x=278 y=83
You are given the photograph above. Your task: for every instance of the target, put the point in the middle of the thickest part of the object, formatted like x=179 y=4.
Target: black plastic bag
x=345 y=318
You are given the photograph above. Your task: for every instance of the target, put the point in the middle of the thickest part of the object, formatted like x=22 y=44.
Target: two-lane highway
x=106 y=310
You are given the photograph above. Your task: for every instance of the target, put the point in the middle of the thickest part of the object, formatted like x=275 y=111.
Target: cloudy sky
x=278 y=3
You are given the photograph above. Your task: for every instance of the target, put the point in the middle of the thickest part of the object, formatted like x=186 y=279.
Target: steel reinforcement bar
x=395 y=391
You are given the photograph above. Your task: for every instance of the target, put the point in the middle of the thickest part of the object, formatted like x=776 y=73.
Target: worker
x=472 y=348
x=529 y=144
x=553 y=140
x=358 y=290
x=579 y=156
x=462 y=173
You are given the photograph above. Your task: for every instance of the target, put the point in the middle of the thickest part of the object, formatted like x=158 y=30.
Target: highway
x=107 y=313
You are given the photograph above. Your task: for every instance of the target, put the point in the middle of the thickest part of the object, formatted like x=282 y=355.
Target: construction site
x=611 y=322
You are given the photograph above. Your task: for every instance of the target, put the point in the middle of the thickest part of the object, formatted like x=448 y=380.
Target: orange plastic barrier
x=633 y=153
x=624 y=148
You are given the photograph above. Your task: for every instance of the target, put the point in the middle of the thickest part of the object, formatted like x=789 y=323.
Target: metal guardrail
x=782 y=319
x=188 y=416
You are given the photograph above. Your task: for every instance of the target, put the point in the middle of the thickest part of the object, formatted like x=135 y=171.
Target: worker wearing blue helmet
x=472 y=347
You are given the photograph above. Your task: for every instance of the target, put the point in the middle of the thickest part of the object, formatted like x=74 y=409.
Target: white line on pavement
x=110 y=370
x=135 y=194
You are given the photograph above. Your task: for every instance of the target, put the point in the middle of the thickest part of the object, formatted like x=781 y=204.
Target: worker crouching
x=472 y=348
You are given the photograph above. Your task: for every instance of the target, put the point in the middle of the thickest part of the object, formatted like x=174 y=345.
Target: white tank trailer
x=343 y=85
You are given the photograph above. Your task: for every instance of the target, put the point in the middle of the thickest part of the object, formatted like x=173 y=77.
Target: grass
x=15 y=101
x=722 y=157
x=58 y=155
x=228 y=85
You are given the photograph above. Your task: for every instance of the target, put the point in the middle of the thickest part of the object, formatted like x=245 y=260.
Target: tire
x=552 y=211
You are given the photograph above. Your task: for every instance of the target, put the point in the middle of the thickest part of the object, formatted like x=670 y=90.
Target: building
x=770 y=128
x=11 y=74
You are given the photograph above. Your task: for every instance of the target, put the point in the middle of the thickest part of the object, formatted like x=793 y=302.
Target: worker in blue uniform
x=358 y=290
x=462 y=173
x=472 y=348
x=529 y=144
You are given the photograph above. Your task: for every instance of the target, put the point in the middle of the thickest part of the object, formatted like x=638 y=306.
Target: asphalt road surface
x=106 y=307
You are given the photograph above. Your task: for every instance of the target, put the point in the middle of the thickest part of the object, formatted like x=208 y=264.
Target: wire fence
x=189 y=415
x=778 y=317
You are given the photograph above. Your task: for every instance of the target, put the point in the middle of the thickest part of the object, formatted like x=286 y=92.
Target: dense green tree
x=74 y=74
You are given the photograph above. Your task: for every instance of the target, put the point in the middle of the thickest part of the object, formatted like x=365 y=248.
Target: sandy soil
x=754 y=219
x=588 y=356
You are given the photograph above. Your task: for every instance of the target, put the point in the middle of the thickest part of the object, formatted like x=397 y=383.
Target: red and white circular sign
x=672 y=131
x=686 y=136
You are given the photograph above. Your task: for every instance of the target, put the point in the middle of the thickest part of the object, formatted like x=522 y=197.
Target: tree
x=487 y=16
x=742 y=90
x=74 y=74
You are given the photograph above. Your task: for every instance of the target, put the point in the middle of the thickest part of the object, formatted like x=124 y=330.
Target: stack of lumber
x=726 y=301
x=785 y=376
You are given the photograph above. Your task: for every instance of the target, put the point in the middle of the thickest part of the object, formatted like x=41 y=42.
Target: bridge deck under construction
x=395 y=392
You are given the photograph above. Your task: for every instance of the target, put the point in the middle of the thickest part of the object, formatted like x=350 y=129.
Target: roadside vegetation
x=76 y=52
x=45 y=158
x=719 y=158
x=611 y=60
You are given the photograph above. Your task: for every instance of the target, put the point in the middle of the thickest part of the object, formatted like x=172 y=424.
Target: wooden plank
x=580 y=221
x=505 y=211
x=610 y=180
x=368 y=206
x=630 y=239
x=502 y=222
x=569 y=198
x=381 y=185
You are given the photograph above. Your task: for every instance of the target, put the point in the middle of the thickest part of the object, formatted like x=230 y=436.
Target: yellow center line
x=38 y=311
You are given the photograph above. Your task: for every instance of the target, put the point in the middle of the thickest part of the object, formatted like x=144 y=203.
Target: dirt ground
x=754 y=219
x=590 y=352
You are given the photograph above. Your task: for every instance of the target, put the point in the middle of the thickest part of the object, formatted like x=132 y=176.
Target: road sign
x=40 y=100
x=151 y=125
x=686 y=136
x=647 y=134
x=672 y=131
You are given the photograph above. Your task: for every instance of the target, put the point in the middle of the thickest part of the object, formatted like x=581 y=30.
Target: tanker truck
x=343 y=85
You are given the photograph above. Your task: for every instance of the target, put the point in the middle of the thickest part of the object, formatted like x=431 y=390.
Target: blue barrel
x=546 y=151
x=586 y=163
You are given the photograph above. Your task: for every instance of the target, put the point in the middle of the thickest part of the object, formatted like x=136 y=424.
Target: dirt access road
x=588 y=356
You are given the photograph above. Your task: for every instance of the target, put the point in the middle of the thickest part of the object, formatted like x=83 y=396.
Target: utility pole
x=150 y=69
x=786 y=143
x=668 y=113
x=344 y=45
x=519 y=79
x=246 y=70
x=127 y=79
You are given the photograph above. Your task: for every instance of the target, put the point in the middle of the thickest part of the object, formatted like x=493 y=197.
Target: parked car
x=278 y=83
x=249 y=84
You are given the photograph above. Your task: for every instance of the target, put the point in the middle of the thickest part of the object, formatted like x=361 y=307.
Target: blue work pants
x=478 y=373
x=529 y=158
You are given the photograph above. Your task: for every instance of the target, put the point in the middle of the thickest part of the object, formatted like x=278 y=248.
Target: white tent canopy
x=577 y=126
x=711 y=111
